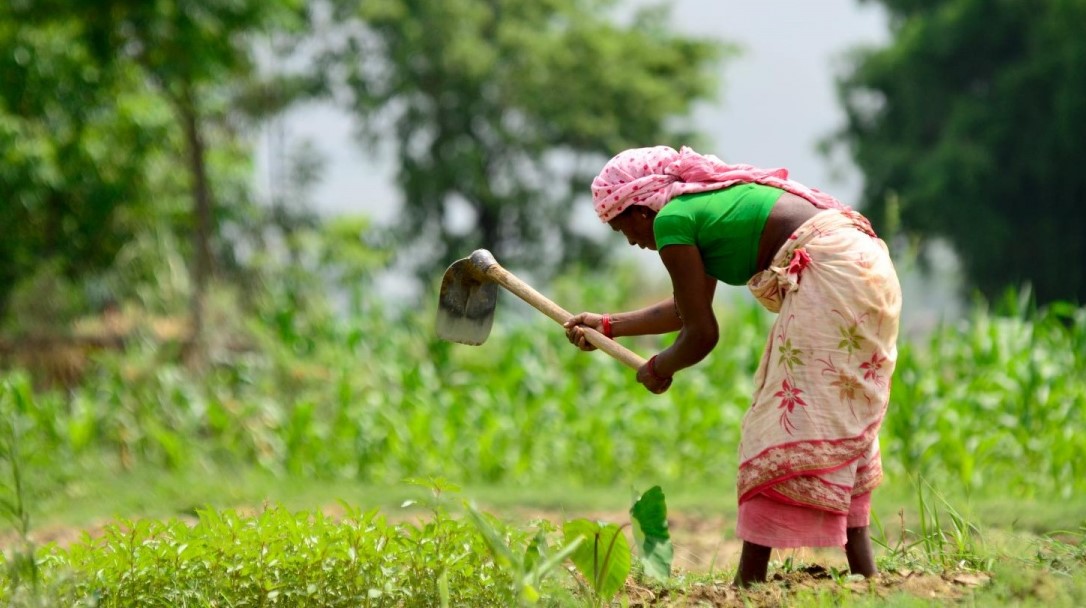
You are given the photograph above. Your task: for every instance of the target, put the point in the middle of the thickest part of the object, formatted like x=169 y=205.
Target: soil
x=944 y=588
x=704 y=550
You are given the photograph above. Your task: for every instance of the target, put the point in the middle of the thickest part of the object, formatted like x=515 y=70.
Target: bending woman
x=809 y=453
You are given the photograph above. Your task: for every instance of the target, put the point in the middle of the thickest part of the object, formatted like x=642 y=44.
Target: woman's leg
x=753 y=564
x=861 y=560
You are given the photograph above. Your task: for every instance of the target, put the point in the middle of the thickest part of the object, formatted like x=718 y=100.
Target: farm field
x=359 y=461
x=235 y=237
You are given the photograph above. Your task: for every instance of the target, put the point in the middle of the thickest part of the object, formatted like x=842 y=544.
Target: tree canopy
x=969 y=126
x=79 y=142
x=113 y=114
x=123 y=117
x=503 y=110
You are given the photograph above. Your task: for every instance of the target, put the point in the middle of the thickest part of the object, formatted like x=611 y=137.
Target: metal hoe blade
x=465 y=309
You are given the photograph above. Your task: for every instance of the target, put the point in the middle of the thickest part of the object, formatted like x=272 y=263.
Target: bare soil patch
x=705 y=546
x=781 y=587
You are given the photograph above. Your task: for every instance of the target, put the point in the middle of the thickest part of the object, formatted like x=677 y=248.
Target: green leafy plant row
x=372 y=395
x=281 y=558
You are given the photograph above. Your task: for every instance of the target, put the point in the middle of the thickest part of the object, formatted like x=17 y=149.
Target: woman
x=809 y=455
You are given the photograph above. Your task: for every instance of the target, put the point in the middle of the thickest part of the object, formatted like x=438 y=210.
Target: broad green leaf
x=651 y=534
x=603 y=557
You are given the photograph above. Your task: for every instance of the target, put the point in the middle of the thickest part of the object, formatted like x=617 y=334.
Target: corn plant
x=17 y=467
x=371 y=395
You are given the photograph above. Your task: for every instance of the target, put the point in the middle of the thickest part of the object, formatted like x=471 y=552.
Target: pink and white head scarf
x=651 y=177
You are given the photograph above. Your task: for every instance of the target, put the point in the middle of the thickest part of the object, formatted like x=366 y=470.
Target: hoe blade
x=465 y=309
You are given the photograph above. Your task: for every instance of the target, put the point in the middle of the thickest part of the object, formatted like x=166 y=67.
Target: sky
x=776 y=101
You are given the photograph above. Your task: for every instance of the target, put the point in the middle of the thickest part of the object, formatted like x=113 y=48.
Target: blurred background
x=223 y=224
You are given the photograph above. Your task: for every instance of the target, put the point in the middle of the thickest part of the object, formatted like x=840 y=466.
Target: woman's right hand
x=576 y=334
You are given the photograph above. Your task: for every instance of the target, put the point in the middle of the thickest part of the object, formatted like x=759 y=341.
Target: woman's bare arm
x=659 y=318
x=694 y=299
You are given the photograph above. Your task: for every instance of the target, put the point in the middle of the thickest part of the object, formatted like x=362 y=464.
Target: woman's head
x=648 y=178
x=635 y=177
x=635 y=223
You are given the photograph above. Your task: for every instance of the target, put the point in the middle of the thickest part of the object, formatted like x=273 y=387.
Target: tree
x=192 y=50
x=969 y=126
x=198 y=56
x=503 y=110
x=78 y=143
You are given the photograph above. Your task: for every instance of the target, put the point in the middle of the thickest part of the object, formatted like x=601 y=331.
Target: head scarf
x=651 y=177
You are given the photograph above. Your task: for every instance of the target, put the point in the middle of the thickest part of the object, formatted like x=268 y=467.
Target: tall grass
x=373 y=395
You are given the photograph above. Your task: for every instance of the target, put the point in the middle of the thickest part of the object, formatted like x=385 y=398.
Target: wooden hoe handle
x=522 y=290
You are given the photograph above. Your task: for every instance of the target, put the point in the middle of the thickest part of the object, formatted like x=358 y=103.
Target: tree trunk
x=202 y=268
x=489 y=228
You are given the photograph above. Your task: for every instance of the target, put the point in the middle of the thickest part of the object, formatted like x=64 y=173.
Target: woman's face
x=635 y=223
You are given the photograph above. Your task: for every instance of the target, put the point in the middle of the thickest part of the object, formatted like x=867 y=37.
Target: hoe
x=469 y=294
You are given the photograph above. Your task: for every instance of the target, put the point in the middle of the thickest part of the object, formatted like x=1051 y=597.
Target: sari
x=809 y=453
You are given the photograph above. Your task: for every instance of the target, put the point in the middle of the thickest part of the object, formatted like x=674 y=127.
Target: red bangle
x=652 y=370
x=605 y=323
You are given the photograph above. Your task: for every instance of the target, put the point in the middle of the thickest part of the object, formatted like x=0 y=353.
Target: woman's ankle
x=753 y=564
x=858 y=551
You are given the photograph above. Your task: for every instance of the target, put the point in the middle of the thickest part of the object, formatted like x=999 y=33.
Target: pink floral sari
x=810 y=438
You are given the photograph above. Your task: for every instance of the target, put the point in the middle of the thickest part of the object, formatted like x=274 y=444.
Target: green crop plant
x=277 y=558
x=282 y=558
x=602 y=557
x=372 y=395
x=22 y=568
x=529 y=568
x=602 y=554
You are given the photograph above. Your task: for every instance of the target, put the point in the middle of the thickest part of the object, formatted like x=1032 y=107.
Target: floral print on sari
x=822 y=387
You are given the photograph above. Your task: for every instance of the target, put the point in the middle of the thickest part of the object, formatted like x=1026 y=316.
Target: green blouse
x=725 y=225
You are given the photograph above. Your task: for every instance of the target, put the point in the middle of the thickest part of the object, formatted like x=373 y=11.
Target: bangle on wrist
x=605 y=324
x=653 y=372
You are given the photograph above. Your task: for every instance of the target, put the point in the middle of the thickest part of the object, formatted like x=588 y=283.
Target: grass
x=97 y=491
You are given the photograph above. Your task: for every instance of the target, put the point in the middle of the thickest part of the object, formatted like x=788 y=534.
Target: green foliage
x=602 y=556
x=528 y=569
x=282 y=558
x=993 y=400
x=372 y=395
x=18 y=486
x=41 y=301
x=101 y=104
x=934 y=545
x=78 y=145
x=649 y=518
x=277 y=558
x=967 y=127
x=502 y=111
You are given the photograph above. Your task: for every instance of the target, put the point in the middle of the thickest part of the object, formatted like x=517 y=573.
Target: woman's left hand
x=650 y=379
